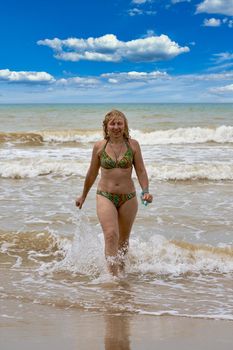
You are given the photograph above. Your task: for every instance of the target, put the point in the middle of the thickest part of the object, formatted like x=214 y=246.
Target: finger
x=147 y=197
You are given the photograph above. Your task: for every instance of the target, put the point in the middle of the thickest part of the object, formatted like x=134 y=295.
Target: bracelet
x=142 y=194
x=145 y=191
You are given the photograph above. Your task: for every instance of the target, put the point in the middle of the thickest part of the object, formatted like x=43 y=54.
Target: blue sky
x=116 y=51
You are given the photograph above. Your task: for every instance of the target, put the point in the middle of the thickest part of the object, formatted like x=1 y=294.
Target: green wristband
x=145 y=191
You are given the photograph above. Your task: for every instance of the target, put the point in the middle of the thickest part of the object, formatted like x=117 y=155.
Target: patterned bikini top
x=125 y=162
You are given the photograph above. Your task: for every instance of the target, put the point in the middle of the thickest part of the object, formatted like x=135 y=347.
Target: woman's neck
x=116 y=141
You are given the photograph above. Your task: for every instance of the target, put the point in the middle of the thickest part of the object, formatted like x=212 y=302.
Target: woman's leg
x=108 y=217
x=126 y=216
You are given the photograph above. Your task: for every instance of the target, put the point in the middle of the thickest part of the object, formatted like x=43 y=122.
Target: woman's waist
x=116 y=187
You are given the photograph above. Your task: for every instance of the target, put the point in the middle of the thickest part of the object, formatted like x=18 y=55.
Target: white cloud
x=220 y=67
x=213 y=76
x=45 y=78
x=139 y=2
x=108 y=48
x=25 y=77
x=223 y=57
x=228 y=22
x=222 y=61
x=135 y=12
x=122 y=87
x=212 y=22
x=149 y=32
x=158 y=75
x=178 y=1
x=223 y=7
x=113 y=81
x=134 y=76
x=78 y=81
x=223 y=89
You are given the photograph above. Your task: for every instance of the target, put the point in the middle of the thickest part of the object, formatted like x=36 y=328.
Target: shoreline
x=27 y=325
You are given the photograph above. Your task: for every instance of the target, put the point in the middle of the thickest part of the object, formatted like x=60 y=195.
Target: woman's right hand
x=79 y=202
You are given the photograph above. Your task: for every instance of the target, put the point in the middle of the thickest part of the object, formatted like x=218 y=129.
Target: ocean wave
x=177 y=314
x=205 y=171
x=171 y=171
x=83 y=253
x=18 y=247
x=53 y=136
x=163 y=256
x=81 y=136
x=21 y=137
x=191 y=135
x=33 y=167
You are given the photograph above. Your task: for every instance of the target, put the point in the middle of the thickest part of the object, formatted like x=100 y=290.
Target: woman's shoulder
x=98 y=146
x=133 y=143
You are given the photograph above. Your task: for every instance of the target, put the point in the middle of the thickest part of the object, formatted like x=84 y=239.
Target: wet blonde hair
x=112 y=115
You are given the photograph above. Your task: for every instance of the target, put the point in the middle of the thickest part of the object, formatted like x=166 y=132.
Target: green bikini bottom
x=117 y=198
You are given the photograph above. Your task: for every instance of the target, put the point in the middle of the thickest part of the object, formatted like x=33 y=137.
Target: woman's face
x=116 y=127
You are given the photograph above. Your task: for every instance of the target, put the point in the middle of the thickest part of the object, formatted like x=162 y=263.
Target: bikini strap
x=128 y=145
x=105 y=145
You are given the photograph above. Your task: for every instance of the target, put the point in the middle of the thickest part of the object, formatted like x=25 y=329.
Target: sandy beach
x=40 y=327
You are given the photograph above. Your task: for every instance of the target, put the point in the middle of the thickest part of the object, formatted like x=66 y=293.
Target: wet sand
x=32 y=326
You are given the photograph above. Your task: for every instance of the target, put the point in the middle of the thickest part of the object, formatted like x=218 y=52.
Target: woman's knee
x=111 y=237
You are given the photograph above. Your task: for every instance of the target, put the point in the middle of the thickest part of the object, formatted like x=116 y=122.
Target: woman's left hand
x=147 y=197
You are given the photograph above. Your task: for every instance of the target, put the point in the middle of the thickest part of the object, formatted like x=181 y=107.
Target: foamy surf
x=170 y=171
x=190 y=135
x=83 y=253
x=70 y=272
x=228 y=317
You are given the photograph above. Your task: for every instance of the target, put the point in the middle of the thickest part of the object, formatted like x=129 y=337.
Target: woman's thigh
x=126 y=216
x=107 y=214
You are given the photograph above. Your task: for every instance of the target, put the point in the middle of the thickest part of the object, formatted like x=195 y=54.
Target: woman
x=116 y=197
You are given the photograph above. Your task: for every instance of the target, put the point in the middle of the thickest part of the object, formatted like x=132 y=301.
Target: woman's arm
x=141 y=171
x=90 y=176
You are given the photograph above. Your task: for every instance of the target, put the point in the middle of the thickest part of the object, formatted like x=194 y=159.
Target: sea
x=180 y=261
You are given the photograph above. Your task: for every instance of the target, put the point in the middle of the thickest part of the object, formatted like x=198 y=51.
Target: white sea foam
x=213 y=171
x=162 y=256
x=177 y=314
x=188 y=135
x=84 y=136
x=79 y=261
x=192 y=135
x=83 y=253
x=33 y=167
x=221 y=134
x=158 y=255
